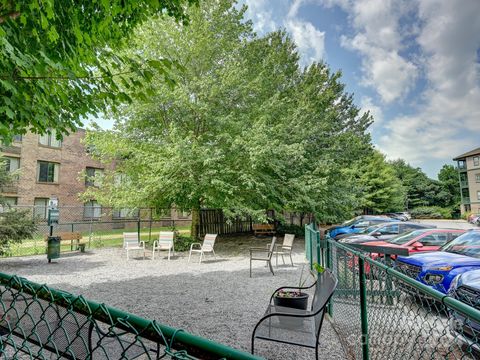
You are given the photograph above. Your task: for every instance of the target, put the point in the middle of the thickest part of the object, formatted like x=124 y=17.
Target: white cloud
x=367 y=104
x=447 y=122
x=269 y=16
x=310 y=40
x=260 y=12
x=379 y=42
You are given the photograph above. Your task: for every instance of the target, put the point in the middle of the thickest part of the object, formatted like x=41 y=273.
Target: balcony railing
x=465 y=200
x=464 y=183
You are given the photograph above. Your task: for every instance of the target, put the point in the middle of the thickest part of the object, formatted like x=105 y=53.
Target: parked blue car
x=438 y=269
x=466 y=288
x=357 y=224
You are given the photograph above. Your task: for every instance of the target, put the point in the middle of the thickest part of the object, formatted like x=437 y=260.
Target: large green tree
x=60 y=59
x=380 y=189
x=245 y=129
x=450 y=193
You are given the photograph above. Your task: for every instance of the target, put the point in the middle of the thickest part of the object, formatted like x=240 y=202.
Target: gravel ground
x=216 y=299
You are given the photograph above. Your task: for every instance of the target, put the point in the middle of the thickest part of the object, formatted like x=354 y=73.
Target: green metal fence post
x=328 y=254
x=320 y=259
x=363 y=308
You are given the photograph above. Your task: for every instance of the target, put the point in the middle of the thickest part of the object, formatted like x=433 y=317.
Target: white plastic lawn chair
x=285 y=248
x=206 y=247
x=131 y=242
x=164 y=242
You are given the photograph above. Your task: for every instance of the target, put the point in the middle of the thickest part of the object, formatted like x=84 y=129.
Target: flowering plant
x=297 y=293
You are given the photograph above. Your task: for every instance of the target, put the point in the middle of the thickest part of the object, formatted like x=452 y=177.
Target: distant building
x=468 y=166
x=50 y=168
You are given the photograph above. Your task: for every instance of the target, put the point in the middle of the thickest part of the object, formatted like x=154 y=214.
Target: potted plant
x=296 y=298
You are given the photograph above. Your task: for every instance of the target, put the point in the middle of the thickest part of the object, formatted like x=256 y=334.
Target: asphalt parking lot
x=450 y=224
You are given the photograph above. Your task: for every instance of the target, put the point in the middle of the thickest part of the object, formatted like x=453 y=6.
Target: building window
x=125 y=213
x=50 y=139
x=40 y=208
x=92 y=210
x=476 y=161
x=478 y=195
x=462 y=164
x=93 y=176
x=11 y=163
x=17 y=138
x=465 y=193
x=477 y=178
x=8 y=202
x=47 y=172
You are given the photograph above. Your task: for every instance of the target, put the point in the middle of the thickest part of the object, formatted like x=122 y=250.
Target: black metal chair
x=295 y=326
x=263 y=254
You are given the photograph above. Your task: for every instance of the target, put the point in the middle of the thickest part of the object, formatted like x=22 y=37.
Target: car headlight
x=433 y=278
x=442 y=268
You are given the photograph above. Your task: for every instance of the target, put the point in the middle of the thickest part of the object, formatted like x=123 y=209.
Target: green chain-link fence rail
x=381 y=313
x=37 y=322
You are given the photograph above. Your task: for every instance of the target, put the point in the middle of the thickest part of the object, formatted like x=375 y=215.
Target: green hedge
x=431 y=212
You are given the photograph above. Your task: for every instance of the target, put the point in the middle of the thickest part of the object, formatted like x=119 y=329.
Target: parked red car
x=419 y=240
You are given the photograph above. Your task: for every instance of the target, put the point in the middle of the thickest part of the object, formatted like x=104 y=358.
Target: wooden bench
x=263 y=229
x=73 y=237
x=295 y=326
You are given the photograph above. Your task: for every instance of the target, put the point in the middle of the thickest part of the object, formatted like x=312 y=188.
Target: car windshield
x=370 y=229
x=467 y=244
x=349 y=222
x=406 y=237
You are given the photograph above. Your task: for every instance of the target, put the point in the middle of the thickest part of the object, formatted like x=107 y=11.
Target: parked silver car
x=384 y=231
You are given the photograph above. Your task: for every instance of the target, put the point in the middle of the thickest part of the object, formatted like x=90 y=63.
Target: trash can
x=53 y=248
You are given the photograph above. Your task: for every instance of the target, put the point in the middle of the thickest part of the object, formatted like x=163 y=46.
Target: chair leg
x=276 y=259
x=291 y=259
x=271 y=268
x=250 y=267
x=127 y=254
x=283 y=259
x=168 y=254
x=214 y=255
x=201 y=254
x=190 y=255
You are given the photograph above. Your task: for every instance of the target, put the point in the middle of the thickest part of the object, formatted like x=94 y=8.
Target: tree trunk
x=194 y=228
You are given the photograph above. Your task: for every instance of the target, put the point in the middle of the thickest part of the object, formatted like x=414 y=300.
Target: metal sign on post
x=53 y=242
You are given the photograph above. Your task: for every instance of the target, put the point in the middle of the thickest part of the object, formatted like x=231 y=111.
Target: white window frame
x=40 y=211
x=56 y=172
x=94 y=208
x=94 y=180
x=476 y=161
x=50 y=139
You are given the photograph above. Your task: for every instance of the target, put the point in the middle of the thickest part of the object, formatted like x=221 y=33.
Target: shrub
x=290 y=229
x=15 y=226
x=183 y=242
x=431 y=212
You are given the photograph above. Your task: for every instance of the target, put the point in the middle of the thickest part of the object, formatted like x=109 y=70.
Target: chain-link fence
x=381 y=313
x=37 y=322
x=98 y=226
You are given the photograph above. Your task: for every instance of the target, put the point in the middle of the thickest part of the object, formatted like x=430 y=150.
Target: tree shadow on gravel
x=223 y=306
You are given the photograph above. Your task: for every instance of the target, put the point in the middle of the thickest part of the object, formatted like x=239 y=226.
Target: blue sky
x=414 y=64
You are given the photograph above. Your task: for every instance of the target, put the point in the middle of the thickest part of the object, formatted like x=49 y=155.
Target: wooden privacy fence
x=213 y=221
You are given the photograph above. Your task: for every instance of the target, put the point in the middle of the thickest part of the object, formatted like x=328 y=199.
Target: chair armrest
x=258 y=249
x=191 y=246
x=142 y=244
x=155 y=242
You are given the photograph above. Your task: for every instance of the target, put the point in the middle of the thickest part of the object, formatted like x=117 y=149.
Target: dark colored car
x=438 y=269
x=397 y=216
x=466 y=288
x=356 y=225
x=420 y=240
x=383 y=231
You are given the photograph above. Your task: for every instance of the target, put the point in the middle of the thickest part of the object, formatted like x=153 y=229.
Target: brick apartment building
x=50 y=168
x=468 y=166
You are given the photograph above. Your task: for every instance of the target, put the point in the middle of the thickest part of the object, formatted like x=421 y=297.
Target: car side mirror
x=417 y=245
x=377 y=234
